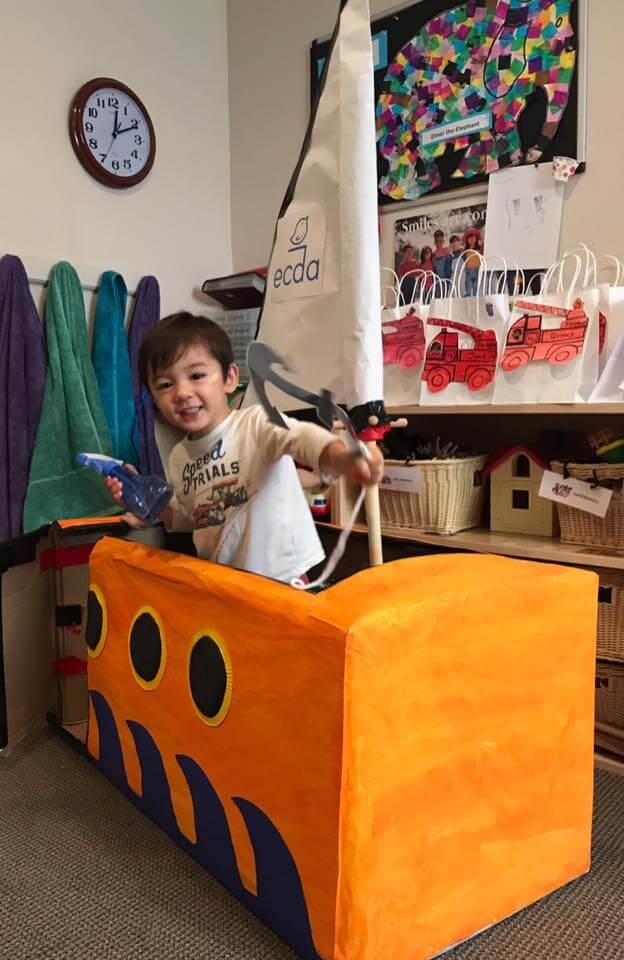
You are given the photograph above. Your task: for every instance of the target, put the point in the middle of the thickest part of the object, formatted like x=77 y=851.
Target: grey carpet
x=84 y=875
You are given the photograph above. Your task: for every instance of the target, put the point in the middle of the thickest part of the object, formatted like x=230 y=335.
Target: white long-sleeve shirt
x=237 y=489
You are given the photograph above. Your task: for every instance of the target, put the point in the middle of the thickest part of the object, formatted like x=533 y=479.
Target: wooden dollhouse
x=515 y=504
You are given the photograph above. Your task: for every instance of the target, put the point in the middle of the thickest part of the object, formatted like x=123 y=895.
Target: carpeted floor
x=84 y=875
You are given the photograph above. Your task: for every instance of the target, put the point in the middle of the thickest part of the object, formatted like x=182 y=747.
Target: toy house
x=515 y=504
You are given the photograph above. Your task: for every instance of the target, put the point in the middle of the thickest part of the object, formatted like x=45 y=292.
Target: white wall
x=269 y=43
x=176 y=224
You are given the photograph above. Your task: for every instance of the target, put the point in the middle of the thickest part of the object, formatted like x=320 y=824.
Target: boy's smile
x=191 y=393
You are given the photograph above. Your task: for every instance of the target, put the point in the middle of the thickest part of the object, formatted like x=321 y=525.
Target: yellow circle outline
x=149 y=684
x=229 y=683
x=104 y=630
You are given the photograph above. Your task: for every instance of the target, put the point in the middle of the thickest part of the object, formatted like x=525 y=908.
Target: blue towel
x=146 y=314
x=72 y=419
x=111 y=363
x=22 y=382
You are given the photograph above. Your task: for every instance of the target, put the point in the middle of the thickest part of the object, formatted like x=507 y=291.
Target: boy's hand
x=115 y=488
x=337 y=459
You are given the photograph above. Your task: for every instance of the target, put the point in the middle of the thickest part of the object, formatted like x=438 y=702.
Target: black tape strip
x=70 y=616
x=21 y=550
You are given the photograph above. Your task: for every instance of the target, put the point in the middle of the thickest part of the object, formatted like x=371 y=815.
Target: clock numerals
x=113 y=102
x=93 y=143
x=93 y=112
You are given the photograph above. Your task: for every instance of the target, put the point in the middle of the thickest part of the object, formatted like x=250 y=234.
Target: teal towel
x=72 y=419
x=111 y=362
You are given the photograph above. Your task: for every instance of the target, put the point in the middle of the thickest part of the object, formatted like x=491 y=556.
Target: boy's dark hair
x=454 y=237
x=438 y=233
x=173 y=334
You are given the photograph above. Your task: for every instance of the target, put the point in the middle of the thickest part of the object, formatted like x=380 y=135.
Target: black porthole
x=96 y=629
x=147 y=649
x=210 y=678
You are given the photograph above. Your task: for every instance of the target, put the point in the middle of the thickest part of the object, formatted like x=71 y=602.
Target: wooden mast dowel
x=372 y=505
x=373 y=522
x=373 y=517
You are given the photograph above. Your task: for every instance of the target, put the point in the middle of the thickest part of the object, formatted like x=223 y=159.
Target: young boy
x=442 y=262
x=456 y=252
x=409 y=263
x=234 y=479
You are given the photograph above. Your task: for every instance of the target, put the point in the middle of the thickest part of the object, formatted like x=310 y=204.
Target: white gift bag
x=403 y=339
x=463 y=336
x=550 y=353
x=611 y=333
x=611 y=301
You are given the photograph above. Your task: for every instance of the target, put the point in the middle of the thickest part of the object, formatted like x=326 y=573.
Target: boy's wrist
x=166 y=517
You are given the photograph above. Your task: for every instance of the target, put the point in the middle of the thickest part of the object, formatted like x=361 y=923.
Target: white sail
x=322 y=303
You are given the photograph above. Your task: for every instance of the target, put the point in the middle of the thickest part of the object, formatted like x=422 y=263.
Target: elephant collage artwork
x=464 y=90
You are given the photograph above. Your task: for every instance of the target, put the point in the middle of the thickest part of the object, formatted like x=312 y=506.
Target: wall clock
x=112 y=133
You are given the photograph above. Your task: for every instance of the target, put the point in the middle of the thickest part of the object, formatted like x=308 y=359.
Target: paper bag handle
x=460 y=269
x=606 y=260
x=559 y=265
x=590 y=265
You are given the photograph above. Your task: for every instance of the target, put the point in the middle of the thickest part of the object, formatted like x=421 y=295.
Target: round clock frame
x=79 y=138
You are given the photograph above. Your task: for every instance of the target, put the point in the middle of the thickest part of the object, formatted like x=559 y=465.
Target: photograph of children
x=436 y=244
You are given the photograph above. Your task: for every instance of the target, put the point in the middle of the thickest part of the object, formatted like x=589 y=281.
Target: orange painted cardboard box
x=379 y=771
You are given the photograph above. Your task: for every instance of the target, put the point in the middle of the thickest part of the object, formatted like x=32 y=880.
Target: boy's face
x=455 y=244
x=408 y=253
x=192 y=394
x=438 y=239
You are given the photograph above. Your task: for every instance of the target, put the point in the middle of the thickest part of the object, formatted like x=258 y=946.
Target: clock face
x=112 y=133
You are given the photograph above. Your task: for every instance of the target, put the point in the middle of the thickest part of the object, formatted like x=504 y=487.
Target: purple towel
x=146 y=314
x=22 y=382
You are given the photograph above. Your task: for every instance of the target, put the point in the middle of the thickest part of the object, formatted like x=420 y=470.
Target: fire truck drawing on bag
x=527 y=342
x=602 y=332
x=447 y=362
x=404 y=341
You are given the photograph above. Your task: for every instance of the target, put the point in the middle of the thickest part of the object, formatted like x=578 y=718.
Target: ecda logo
x=300 y=269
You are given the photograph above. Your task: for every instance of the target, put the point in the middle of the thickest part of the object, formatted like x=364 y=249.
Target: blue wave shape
x=280 y=899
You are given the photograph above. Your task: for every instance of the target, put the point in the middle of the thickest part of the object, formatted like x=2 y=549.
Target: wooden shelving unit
x=604 y=409
x=612 y=764
x=509 y=545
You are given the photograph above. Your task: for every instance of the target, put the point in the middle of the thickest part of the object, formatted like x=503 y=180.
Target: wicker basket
x=580 y=527
x=611 y=615
x=451 y=497
x=610 y=694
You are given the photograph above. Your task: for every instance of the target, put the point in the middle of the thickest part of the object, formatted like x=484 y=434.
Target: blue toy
x=145 y=497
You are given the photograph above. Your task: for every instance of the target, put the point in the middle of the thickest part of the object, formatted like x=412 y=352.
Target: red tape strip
x=70 y=667
x=52 y=559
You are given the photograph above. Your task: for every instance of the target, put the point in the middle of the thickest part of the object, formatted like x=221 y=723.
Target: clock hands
x=115 y=132
x=135 y=126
